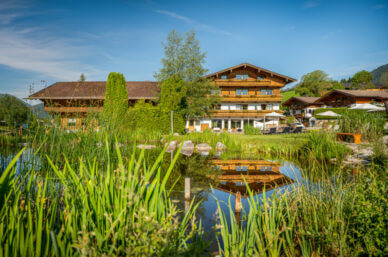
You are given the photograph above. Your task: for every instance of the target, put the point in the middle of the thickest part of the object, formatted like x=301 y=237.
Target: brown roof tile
x=303 y=99
x=358 y=93
x=95 y=90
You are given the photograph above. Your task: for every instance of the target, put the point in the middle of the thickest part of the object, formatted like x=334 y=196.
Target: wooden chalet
x=248 y=92
x=346 y=98
x=75 y=100
x=302 y=107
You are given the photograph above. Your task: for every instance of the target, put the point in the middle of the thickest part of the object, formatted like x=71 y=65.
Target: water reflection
x=227 y=180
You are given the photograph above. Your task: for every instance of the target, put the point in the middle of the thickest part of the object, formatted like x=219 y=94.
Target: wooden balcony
x=72 y=109
x=251 y=98
x=247 y=83
x=241 y=113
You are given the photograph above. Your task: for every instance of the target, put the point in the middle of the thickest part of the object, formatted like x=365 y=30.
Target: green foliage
x=82 y=78
x=122 y=209
x=362 y=80
x=288 y=94
x=369 y=124
x=337 y=85
x=378 y=73
x=13 y=111
x=116 y=100
x=334 y=217
x=173 y=90
x=323 y=146
x=313 y=84
x=250 y=130
x=184 y=59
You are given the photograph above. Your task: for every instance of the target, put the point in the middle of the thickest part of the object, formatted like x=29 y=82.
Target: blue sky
x=58 y=40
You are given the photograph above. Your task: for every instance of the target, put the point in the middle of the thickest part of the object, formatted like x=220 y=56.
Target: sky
x=42 y=42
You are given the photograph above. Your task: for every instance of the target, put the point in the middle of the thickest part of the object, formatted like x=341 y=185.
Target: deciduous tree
x=313 y=84
x=362 y=80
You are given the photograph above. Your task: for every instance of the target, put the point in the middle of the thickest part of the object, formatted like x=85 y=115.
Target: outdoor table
x=356 y=137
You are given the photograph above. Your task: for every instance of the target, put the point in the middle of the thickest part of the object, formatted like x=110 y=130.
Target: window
x=218 y=107
x=216 y=124
x=71 y=122
x=238 y=168
x=241 y=76
x=245 y=92
x=245 y=107
x=224 y=77
x=244 y=168
x=263 y=91
x=269 y=91
x=191 y=123
x=260 y=77
x=238 y=107
x=264 y=107
x=269 y=106
x=238 y=91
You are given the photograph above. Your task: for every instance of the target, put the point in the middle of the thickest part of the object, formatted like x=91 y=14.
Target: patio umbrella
x=366 y=107
x=274 y=115
x=329 y=113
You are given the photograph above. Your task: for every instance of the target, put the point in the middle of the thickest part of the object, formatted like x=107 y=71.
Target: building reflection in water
x=258 y=174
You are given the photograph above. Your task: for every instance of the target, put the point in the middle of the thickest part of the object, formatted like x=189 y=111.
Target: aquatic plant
x=330 y=217
x=123 y=209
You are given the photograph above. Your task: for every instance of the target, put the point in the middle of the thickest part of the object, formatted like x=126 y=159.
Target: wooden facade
x=248 y=93
x=76 y=103
x=302 y=107
x=346 y=98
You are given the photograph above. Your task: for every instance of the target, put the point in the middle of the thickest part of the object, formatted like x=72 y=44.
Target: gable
x=252 y=71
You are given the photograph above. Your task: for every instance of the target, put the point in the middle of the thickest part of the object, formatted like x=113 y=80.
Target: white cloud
x=52 y=57
x=197 y=25
x=310 y=4
x=379 y=6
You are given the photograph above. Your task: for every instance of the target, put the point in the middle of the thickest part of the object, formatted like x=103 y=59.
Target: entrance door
x=204 y=126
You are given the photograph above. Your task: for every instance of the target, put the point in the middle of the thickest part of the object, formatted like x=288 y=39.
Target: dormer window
x=241 y=76
x=224 y=77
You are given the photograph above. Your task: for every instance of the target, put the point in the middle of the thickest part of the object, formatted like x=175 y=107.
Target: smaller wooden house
x=302 y=107
x=346 y=98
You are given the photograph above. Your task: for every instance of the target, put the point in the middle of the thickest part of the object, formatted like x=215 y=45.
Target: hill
x=380 y=76
x=288 y=94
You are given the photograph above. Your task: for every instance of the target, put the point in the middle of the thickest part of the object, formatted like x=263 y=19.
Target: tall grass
x=322 y=146
x=369 y=124
x=121 y=210
x=332 y=217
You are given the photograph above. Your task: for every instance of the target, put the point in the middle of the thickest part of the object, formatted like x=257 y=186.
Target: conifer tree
x=116 y=99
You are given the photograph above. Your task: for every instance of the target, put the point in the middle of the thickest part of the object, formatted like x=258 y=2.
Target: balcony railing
x=251 y=98
x=72 y=109
x=241 y=113
x=247 y=83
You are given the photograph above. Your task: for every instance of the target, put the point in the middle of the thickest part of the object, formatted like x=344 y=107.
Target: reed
x=329 y=217
x=123 y=209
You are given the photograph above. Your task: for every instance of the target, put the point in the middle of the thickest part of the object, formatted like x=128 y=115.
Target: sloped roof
x=358 y=93
x=288 y=79
x=303 y=99
x=95 y=90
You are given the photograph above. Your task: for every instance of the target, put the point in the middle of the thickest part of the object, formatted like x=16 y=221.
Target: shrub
x=250 y=130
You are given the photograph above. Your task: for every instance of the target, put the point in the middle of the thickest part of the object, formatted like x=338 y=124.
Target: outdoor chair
x=286 y=130
x=270 y=132
x=297 y=130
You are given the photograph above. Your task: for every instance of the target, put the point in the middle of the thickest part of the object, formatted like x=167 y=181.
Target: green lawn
x=288 y=94
x=295 y=140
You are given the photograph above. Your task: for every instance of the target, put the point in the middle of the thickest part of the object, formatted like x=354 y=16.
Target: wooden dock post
x=187 y=188
x=187 y=193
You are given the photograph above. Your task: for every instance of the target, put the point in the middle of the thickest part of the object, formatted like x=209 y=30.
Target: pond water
x=209 y=179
